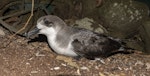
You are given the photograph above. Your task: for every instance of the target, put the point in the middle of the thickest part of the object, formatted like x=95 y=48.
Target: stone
x=145 y=35
x=123 y=18
x=2 y=33
x=90 y=24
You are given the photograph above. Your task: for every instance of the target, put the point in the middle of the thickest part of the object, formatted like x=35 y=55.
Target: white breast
x=68 y=51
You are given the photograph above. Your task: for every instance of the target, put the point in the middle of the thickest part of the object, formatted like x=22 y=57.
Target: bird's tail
x=123 y=48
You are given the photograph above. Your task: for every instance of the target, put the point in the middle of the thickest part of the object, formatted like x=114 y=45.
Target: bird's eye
x=47 y=22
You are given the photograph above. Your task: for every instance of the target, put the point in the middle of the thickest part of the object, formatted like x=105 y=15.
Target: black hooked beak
x=32 y=32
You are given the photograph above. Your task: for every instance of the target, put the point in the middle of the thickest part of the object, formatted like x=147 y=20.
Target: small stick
x=26 y=22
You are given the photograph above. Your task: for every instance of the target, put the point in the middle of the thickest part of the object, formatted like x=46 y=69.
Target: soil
x=20 y=58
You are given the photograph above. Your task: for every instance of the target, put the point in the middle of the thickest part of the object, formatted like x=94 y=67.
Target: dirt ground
x=21 y=58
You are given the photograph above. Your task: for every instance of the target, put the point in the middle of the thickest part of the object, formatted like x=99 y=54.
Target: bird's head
x=47 y=25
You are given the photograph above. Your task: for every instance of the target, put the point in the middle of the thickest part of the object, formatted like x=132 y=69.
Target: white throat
x=51 y=33
x=56 y=46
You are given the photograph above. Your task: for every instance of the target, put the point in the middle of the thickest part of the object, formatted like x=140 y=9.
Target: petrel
x=73 y=41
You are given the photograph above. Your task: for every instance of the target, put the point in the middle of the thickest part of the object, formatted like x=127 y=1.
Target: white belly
x=68 y=51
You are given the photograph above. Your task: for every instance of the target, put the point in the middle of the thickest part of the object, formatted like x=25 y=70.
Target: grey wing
x=96 y=45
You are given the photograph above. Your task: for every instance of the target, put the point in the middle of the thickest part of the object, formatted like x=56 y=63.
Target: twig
x=7 y=25
x=26 y=22
x=10 y=4
x=15 y=14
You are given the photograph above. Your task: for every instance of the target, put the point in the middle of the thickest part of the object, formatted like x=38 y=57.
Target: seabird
x=73 y=41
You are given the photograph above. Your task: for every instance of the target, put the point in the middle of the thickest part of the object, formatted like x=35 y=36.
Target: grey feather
x=84 y=43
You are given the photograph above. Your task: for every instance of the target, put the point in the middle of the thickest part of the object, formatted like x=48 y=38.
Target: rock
x=2 y=33
x=76 y=8
x=135 y=44
x=123 y=18
x=145 y=1
x=145 y=35
x=89 y=24
x=90 y=8
x=62 y=7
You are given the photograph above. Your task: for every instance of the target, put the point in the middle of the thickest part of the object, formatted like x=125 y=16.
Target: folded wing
x=94 y=45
